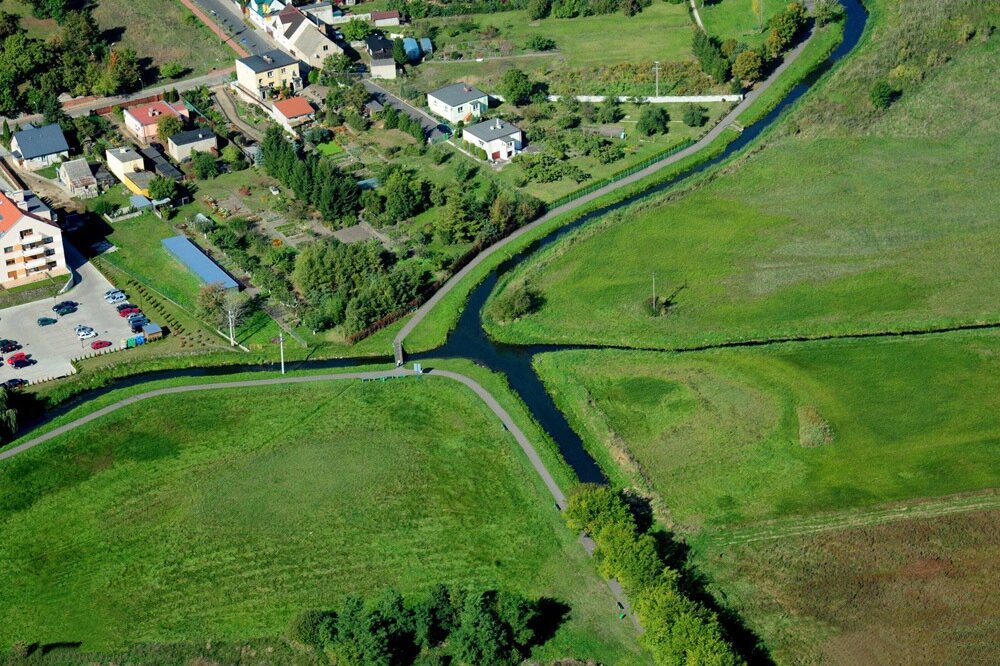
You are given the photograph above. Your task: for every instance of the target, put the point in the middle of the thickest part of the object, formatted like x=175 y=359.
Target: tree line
x=677 y=629
x=447 y=626
x=34 y=73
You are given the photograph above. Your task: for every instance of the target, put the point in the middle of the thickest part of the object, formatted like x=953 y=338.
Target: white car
x=85 y=332
x=112 y=292
x=117 y=298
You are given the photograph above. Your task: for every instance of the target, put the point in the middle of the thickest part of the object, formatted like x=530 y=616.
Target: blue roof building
x=199 y=263
x=412 y=49
x=38 y=147
x=426 y=46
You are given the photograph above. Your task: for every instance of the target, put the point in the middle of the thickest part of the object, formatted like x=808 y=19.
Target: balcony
x=34 y=264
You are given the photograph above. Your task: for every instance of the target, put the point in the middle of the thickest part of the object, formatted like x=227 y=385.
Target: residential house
x=292 y=113
x=180 y=146
x=122 y=161
x=381 y=64
x=141 y=121
x=385 y=19
x=459 y=102
x=296 y=33
x=32 y=247
x=320 y=12
x=498 y=138
x=263 y=13
x=35 y=148
x=260 y=76
x=78 y=178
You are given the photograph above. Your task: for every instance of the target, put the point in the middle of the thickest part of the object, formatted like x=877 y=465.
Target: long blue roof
x=198 y=262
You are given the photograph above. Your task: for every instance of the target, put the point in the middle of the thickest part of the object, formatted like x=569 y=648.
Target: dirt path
x=228 y=108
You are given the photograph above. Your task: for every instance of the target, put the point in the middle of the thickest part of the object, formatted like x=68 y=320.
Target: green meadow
x=848 y=220
x=726 y=438
x=219 y=516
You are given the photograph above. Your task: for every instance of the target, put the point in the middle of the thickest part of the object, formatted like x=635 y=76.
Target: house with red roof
x=292 y=112
x=31 y=246
x=141 y=121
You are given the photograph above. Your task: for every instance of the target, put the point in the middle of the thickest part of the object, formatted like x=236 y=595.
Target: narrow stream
x=469 y=340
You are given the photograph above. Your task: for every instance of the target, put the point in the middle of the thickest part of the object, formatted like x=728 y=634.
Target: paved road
x=227 y=15
x=714 y=133
x=383 y=96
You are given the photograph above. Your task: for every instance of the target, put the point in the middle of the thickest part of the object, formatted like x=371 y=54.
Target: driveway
x=383 y=96
x=53 y=347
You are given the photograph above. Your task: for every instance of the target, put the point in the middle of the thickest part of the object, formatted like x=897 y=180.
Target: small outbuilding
x=152 y=332
x=78 y=178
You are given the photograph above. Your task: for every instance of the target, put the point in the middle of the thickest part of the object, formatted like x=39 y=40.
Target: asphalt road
x=714 y=133
x=383 y=96
x=229 y=18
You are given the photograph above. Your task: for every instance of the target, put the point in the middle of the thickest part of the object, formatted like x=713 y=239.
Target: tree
x=356 y=30
x=399 y=52
x=481 y=637
x=168 y=126
x=748 y=66
x=204 y=165
x=538 y=9
x=6 y=135
x=516 y=87
x=827 y=11
x=609 y=111
x=10 y=24
x=234 y=308
x=172 y=69
x=8 y=417
x=162 y=188
x=210 y=302
x=231 y=154
x=882 y=95
x=653 y=120
x=338 y=64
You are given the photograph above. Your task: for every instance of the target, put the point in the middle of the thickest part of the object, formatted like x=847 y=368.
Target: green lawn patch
x=819 y=234
x=739 y=436
x=51 y=172
x=329 y=148
x=735 y=19
x=219 y=516
x=35 y=291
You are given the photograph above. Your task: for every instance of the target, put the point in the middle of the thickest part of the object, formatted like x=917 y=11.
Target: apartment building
x=31 y=247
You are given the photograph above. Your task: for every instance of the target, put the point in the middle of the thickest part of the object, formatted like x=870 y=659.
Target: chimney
x=497 y=125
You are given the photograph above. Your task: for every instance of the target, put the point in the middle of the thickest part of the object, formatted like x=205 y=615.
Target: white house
x=180 y=146
x=459 y=102
x=263 y=13
x=498 y=138
x=35 y=148
x=78 y=178
x=31 y=247
x=300 y=37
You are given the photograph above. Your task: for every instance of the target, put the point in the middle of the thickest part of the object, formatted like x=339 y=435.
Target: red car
x=19 y=356
x=129 y=311
x=99 y=344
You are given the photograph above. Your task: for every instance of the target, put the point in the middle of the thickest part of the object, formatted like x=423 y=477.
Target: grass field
x=740 y=436
x=329 y=149
x=872 y=222
x=735 y=19
x=916 y=591
x=158 y=32
x=221 y=515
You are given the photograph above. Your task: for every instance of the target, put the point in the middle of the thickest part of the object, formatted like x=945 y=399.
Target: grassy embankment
x=220 y=515
x=883 y=227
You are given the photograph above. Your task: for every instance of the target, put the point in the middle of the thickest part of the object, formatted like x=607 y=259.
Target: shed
x=412 y=49
x=139 y=202
x=152 y=331
x=426 y=46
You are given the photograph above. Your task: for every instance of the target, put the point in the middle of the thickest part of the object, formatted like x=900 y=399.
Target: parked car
x=128 y=312
x=138 y=322
x=123 y=306
x=117 y=298
x=14 y=384
x=19 y=356
x=7 y=346
x=110 y=292
x=65 y=304
x=85 y=332
x=46 y=321
x=136 y=328
x=23 y=363
x=99 y=344
x=65 y=310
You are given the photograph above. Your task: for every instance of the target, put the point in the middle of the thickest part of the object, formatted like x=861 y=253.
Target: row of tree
x=34 y=73
x=539 y=9
x=314 y=179
x=449 y=625
x=677 y=629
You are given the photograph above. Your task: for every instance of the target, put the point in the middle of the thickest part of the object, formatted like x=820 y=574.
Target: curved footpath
x=702 y=143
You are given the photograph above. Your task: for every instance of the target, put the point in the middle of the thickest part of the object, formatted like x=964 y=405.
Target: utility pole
x=656 y=68
x=281 y=341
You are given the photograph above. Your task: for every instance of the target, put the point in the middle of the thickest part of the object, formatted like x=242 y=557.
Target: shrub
x=882 y=95
x=539 y=43
x=516 y=303
x=653 y=120
x=694 y=115
x=748 y=66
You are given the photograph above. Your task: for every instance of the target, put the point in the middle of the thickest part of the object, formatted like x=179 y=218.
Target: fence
x=625 y=173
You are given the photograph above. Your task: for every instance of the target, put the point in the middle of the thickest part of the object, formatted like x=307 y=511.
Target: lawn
x=141 y=255
x=874 y=223
x=219 y=516
x=735 y=19
x=738 y=436
x=160 y=33
x=329 y=149
x=916 y=591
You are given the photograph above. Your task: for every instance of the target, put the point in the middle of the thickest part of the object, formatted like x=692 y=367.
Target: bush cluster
x=678 y=630
x=450 y=625
x=546 y=168
x=394 y=119
x=515 y=303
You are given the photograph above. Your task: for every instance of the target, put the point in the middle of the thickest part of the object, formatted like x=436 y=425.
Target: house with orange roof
x=292 y=112
x=31 y=247
x=141 y=121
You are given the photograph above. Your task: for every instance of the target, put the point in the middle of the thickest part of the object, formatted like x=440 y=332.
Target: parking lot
x=52 y=347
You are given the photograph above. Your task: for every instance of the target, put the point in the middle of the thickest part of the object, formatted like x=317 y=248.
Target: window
x=270 y=75
x=26 y=233
x=12 y=275
x=8 y=249
x=10 y=262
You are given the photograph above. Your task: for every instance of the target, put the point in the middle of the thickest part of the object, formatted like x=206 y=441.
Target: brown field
x=918 y=591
